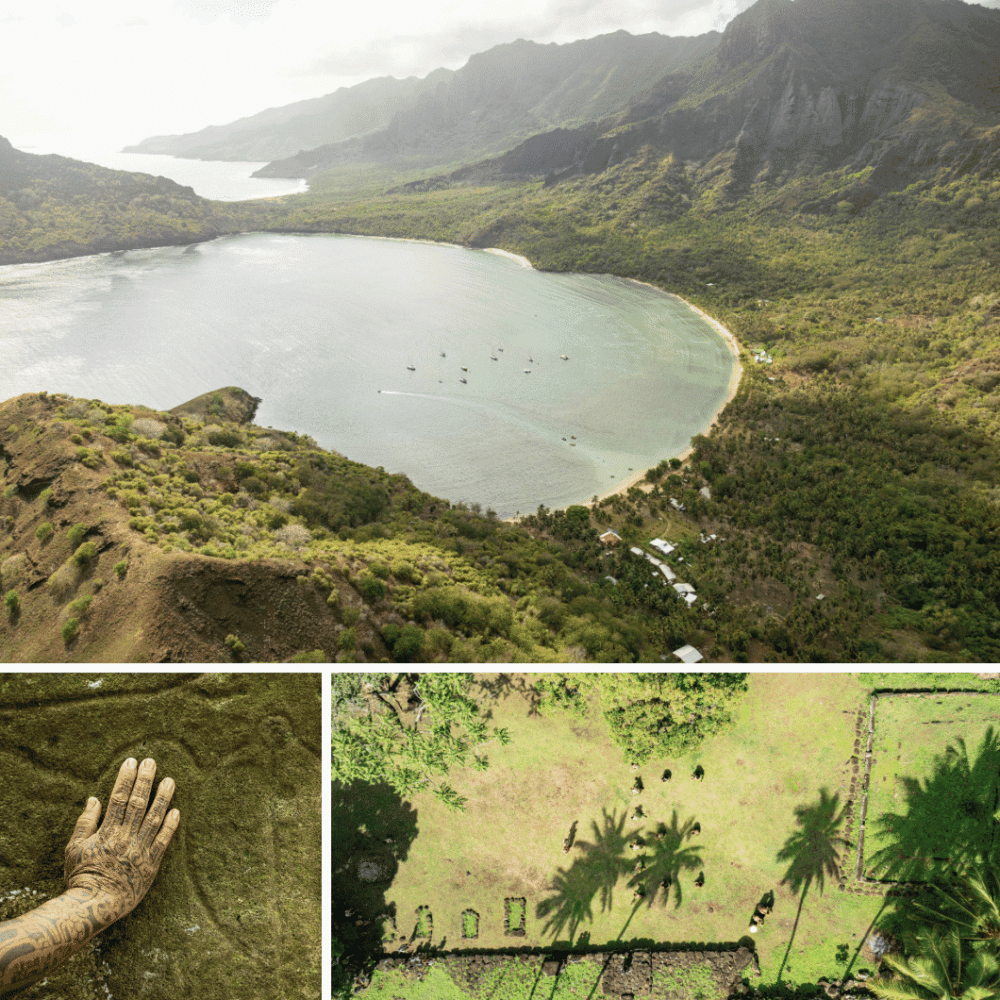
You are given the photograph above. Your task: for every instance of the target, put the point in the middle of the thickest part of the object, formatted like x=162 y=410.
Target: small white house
x=668 y=572
x=661 y=546
x=610 y=537
x=688 y=654
x=636 y=551
x=683 y=588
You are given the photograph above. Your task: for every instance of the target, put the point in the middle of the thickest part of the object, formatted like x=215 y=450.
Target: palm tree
x=939 y=968
x=813 y=850
x=593 y=874
x=972 y=906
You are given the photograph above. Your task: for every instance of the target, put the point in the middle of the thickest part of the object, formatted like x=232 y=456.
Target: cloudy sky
x=72 y=70
x=79 y=73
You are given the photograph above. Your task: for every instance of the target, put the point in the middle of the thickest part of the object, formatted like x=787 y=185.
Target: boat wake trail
x=418 y=395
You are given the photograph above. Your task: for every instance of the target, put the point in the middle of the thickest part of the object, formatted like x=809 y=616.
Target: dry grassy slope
x=167 y=607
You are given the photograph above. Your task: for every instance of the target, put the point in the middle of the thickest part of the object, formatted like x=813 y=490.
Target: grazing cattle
x=637 y=814
x=699 y=773
x=640 y=865
x=659 y=834
x=666 y=883
x=637 y=787
x=696 y=829
x=700 y=880
x=566 y=846
x=666 y=776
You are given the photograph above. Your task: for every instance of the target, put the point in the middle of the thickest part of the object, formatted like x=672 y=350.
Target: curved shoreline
x=523 y=261
x=727 y=336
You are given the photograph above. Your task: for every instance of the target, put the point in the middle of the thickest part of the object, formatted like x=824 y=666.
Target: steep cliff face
x=503 y=96
x=811 y=85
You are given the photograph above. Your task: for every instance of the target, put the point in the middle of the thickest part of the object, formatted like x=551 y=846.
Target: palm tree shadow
x=664 y=866
x=813 y=852
x=949 y=824
x=594 y=874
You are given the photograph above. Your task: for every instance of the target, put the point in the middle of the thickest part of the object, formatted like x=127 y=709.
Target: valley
x=838 y=214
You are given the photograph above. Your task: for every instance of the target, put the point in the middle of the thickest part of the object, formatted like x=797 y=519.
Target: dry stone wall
x=621 y=975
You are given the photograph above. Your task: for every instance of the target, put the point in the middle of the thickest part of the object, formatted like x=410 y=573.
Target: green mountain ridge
x=852 y=480
x=53 y=206
x=801 y=88
x=282 y=131
x=507 y=94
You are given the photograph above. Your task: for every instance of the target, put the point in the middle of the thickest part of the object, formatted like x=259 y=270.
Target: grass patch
x=562 y=779
x=935 y=785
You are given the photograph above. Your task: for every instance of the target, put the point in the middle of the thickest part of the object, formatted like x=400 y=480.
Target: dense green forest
x=845 y=507
x=863 y=462
x=860 y=466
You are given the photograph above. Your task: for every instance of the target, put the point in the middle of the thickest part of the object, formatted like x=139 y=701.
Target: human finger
x=151 y=824
x=120 y=794
x=87 y=823
x=139 y=798
x=163 y=838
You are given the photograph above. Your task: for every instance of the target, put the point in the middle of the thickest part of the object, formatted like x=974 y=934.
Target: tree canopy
x=411 y=733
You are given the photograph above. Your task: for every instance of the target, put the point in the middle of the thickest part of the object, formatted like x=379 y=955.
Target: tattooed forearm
x=33 y=944
x=108 y=870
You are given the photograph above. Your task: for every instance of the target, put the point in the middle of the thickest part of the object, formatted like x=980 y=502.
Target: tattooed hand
x=108 y=870
x=119 y=861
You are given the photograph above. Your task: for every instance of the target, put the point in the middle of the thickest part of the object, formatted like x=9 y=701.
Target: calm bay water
x=324 y=327
x=221 y=180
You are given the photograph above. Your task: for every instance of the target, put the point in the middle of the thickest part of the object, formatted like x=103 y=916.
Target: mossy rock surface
x=235 y=908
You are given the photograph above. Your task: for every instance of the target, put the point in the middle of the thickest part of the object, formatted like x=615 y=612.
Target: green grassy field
x=934 y=787
x=770 y=783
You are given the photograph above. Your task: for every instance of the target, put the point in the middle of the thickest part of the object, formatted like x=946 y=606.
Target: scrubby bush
x=370 y=587
x=122 y=456
x=149 y=428
x=85 y=553
x=294 y=535
x=224 y=438
x=44 y=531
x=316 y=656
x=81 y=605
x=173 y=434
x=12 y=602
x=69 y=630
x=76 y=533
x=121 y=568
x=46 y=496
x=347 y=639
x=235 y=645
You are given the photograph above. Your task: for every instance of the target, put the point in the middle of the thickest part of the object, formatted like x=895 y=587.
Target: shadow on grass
x=498 y=686
x=371 y=831
x=661 y=878
x=606 y=860
x=594 y=874
x=814 y=852
x=949 y=823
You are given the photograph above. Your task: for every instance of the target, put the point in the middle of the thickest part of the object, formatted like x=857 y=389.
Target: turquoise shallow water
x=325 y=329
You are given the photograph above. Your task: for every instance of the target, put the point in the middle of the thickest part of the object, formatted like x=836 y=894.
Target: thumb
x=87 y=823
